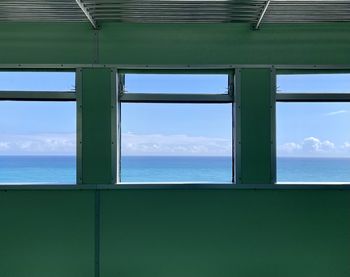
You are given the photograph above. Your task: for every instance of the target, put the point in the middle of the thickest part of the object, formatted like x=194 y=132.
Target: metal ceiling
x=255 y=12
x=40 y=10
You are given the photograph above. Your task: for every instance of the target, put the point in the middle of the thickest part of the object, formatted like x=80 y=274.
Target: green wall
x=174 y=43
x=47 y=233
x=255 y=125
x=96 y=126
x=91 y=231
x=224 y=43
x=225 y=233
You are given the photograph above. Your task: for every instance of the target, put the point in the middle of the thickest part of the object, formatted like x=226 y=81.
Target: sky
x=313 y=129
x=176 y=129
x=37 y=128
x=49 y=128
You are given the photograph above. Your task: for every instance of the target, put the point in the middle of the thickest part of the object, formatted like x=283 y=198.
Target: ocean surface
x=176 y=169
x=62 y=169
x=313 y=169
x=37 y=169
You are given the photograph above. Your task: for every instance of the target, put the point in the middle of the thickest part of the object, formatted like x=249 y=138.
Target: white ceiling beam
x=262 y=14
x=87 y=14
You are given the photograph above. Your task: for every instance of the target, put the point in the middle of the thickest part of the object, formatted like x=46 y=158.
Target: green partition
x=200 y=232
x=47 y=233
x=229 y=233
x=47 y=43
x=255 y=125
x=193 y=44
x=204 y=44
x=96 y=126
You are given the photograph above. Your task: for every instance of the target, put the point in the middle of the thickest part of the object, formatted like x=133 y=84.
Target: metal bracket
x=263 y=12
x=86 y=12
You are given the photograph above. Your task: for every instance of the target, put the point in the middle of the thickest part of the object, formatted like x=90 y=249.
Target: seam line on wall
x=97 y=233
x=96 y=47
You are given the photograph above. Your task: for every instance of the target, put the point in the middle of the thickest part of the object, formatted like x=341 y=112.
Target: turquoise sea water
x=313 y=169
x=176 y=169
x=38 y=169
x=62 y=169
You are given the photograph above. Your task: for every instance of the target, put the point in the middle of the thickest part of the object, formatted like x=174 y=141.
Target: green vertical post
x=96 y=126
x=256 y=123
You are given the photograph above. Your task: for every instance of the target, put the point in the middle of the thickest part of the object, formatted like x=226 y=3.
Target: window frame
x=115 y=68
x=119 y=97
x=53 y=96
x=289 y=97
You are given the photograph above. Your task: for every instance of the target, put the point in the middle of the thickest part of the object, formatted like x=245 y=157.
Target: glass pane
x=37 y=81
x=176 y=143
x=313 y=83
x=37 y=142
x=177 y=83
x=313 y=142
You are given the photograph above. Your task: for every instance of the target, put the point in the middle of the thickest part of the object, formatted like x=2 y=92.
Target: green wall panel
x=255 y=126
x=224 y=44
x=47 y=233
x=47 y=43
x=251 y=233
x=225 y=233
x=125 y=43
x=96 y=126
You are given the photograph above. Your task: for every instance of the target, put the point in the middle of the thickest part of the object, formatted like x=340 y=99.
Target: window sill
x=182 y=186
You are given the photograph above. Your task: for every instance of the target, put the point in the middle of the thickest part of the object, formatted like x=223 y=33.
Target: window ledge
x=182 y=186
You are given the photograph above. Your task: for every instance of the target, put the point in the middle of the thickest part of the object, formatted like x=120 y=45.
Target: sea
x=313 y=170
x=62 y=169
x=37 y=170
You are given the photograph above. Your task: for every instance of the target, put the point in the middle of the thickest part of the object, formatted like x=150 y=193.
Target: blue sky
x=313 y=129
x=37 y=81
x=37 y=128
x=303 y=129
x=176 y=83
x=313 y=83
x=177 y=129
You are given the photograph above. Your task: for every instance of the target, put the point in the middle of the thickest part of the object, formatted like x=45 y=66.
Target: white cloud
x=4 y=146
x=337 y=112
x=290 y=147
x=158 y=144
x=38 y=144
x=310 y=146
x=346 y=146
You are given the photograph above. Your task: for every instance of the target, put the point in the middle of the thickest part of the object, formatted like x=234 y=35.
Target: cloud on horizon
x=132 y=144
x=38 y=144
x=313 y=147
x=158 y=144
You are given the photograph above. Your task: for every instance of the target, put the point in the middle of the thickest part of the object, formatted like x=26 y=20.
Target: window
x=312 y=133
x=176 y=83
x=168 y=138
x=37 y=131
x=37 y=81
x=319 y=83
